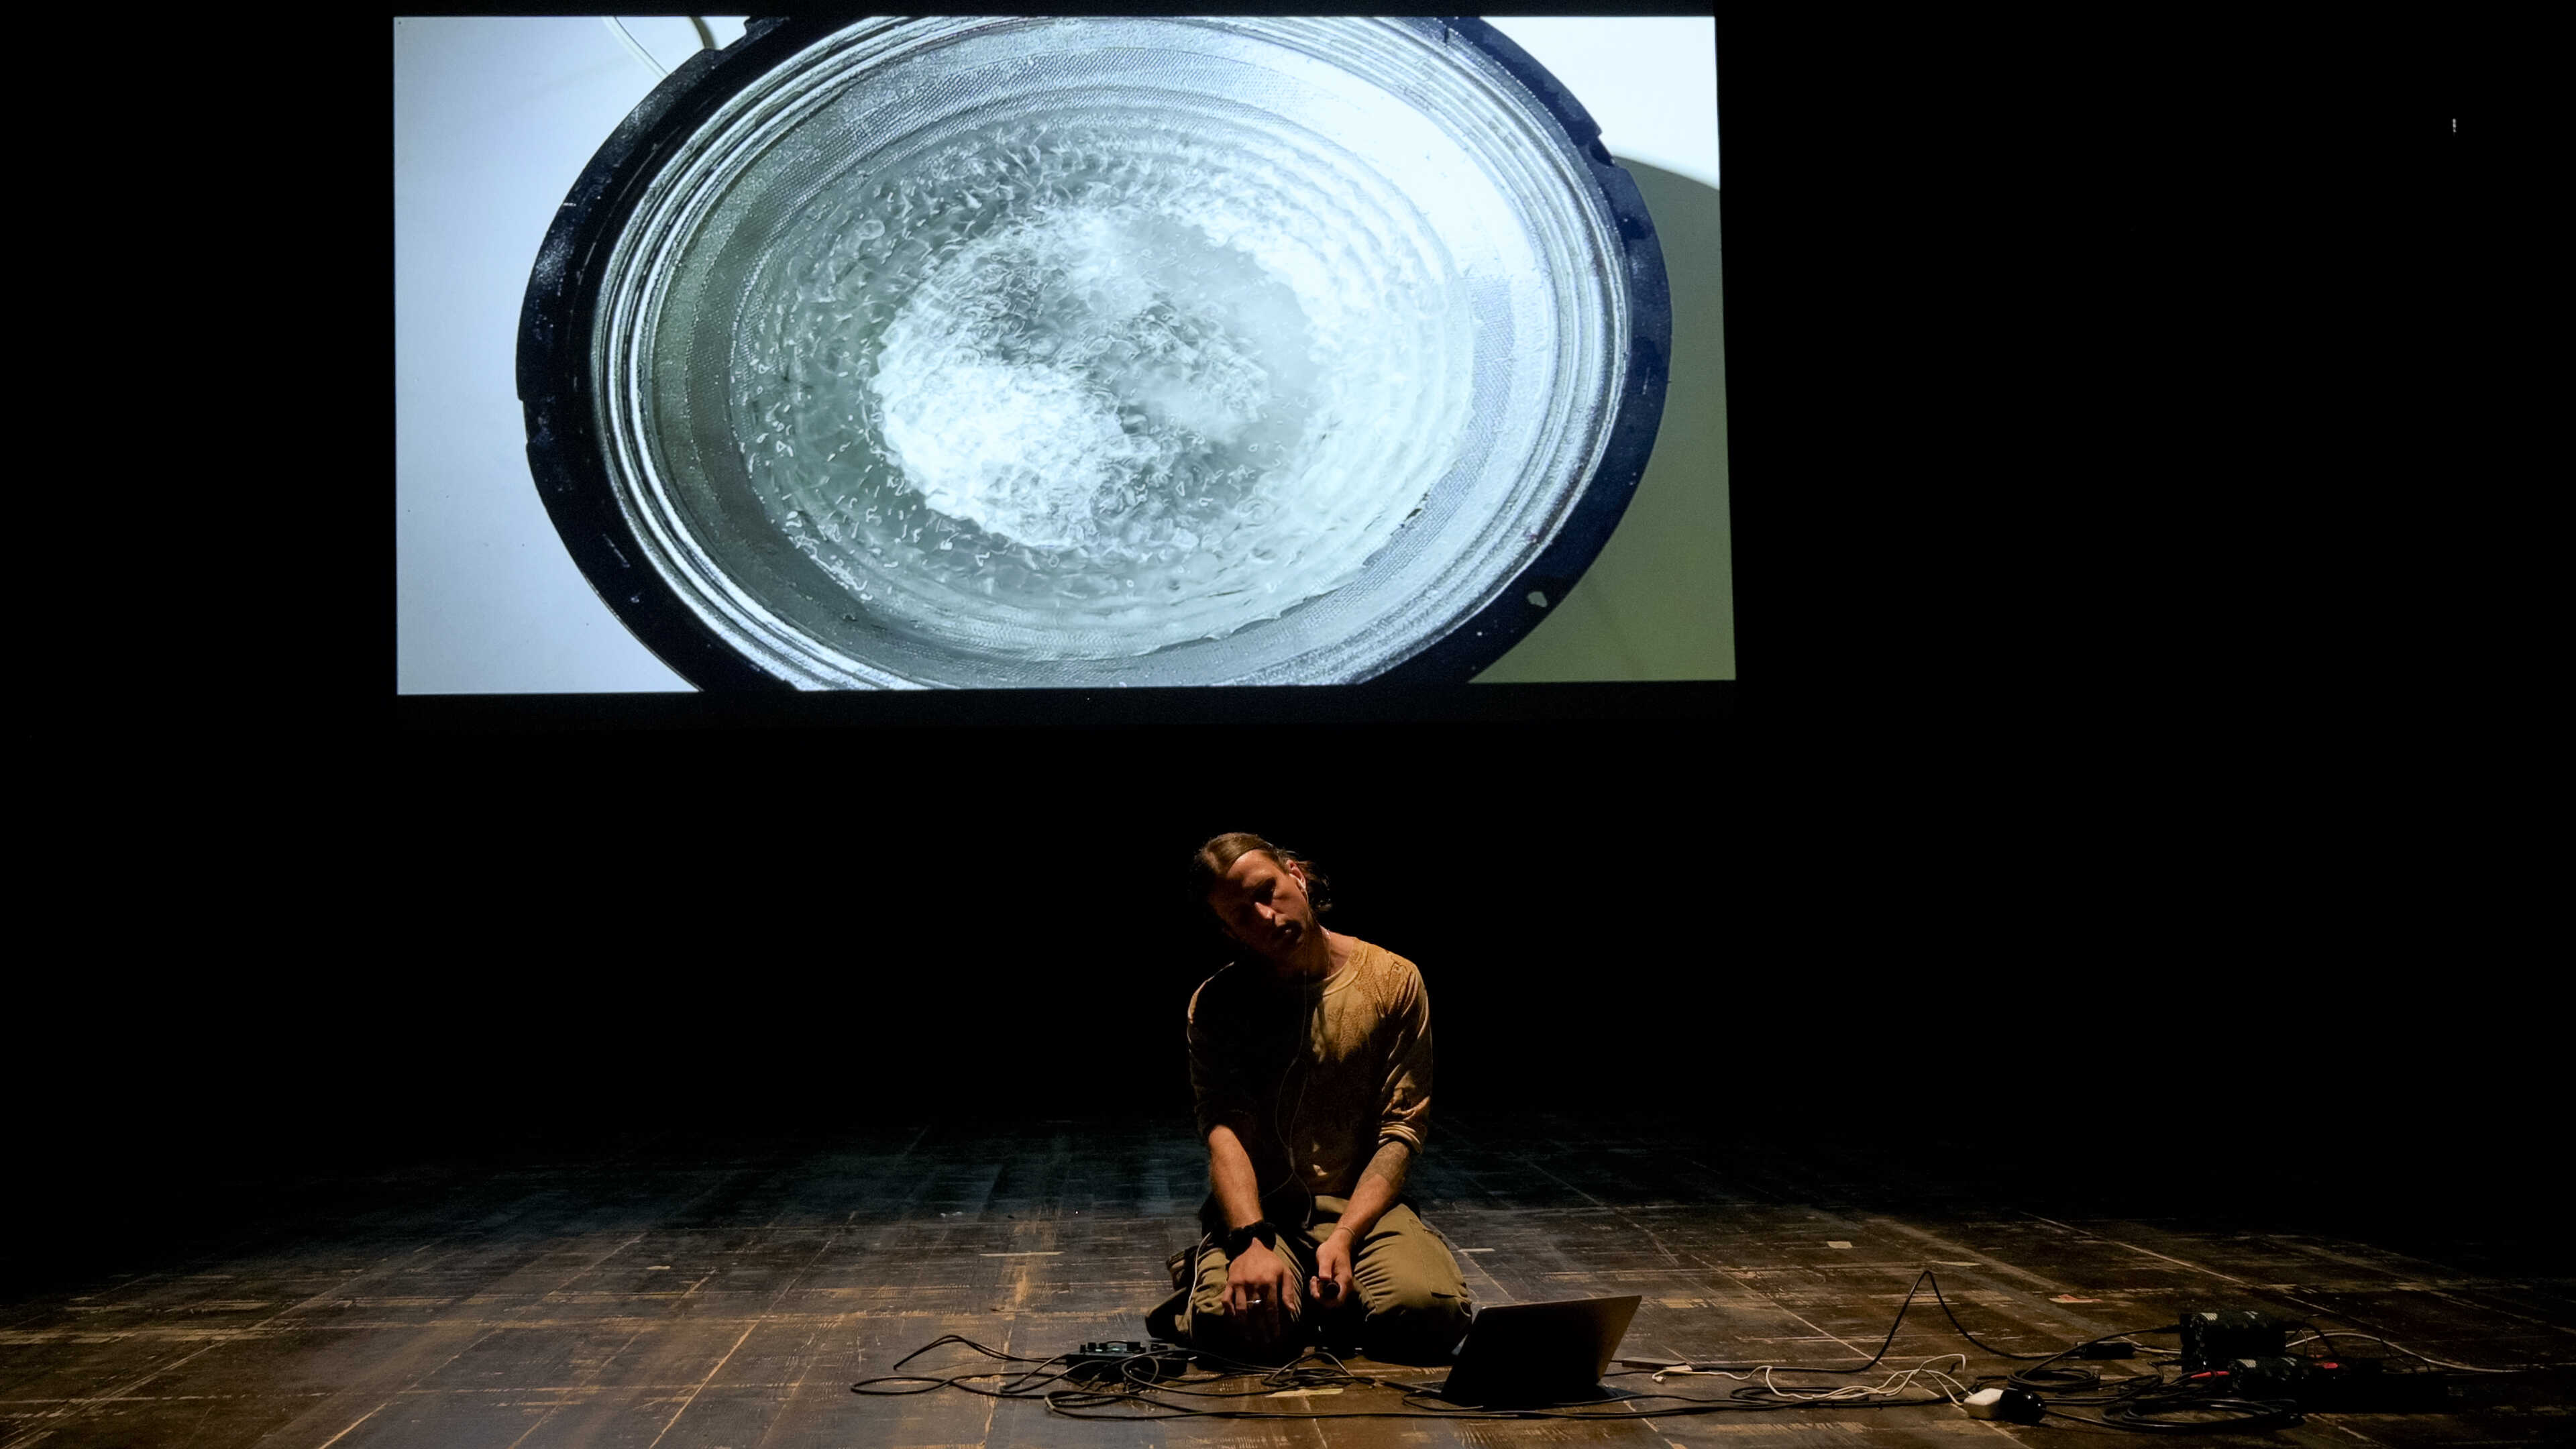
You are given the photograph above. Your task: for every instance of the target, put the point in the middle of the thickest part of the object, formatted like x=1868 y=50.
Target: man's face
x=1264 y=906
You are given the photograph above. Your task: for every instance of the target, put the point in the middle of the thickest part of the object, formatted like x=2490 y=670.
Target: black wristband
x=1243 y=1237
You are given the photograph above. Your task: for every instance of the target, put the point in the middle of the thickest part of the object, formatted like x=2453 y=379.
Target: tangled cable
x=1896 y=1383
x=2188 y=1414
x=1920 y=1279
x=1138 y=1393
x=1144 y=1386
x=1151 y=1386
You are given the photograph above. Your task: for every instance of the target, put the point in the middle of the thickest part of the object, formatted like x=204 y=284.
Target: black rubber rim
x=572 y=476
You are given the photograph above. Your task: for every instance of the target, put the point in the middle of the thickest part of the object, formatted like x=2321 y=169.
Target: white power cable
x=1896 y=1383
x=617 y=28
x=2401 y=1348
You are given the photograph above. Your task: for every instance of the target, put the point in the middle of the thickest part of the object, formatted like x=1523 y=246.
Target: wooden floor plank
x=677 y=1296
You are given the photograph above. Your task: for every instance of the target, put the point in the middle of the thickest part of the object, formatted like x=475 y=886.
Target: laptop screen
x=1535 y=1353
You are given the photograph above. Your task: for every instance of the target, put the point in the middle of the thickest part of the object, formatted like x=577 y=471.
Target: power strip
x=2369 y=1386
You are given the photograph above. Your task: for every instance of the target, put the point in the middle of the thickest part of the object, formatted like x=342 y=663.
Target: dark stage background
x=529 y=947
x=2114 y=813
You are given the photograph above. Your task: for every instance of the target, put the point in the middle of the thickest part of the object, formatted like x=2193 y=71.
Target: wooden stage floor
x=662 y=1296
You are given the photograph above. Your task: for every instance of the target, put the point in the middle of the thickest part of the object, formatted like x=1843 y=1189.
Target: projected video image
x=1079 y=353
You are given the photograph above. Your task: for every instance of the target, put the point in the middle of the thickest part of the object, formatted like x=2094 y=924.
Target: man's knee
x=1215 y=1331
x=1415 y=1324
x=1207 y=1325
x=1207 y=1296
x=1204 y=1324
x=1407 y=1302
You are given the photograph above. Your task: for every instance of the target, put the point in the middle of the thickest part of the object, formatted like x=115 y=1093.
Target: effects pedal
x=2213 y=1336
x=1120 y=1359
x=2266 y=1378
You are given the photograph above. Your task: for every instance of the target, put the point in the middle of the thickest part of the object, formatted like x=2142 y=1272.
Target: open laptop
x=1528 y=1354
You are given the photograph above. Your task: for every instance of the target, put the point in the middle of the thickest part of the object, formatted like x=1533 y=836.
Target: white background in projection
x=494 y=117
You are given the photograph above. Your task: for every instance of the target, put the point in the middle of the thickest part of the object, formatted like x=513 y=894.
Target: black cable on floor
x=2146 y=1415
x=1925 y=1277
x=1135 y=1398
x=2039 y=1378
x=2135 y=1403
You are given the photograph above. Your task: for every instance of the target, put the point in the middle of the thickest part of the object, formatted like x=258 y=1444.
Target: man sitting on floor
x=1310 y=1063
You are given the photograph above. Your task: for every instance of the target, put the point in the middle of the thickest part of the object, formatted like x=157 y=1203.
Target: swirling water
x=1090 y=390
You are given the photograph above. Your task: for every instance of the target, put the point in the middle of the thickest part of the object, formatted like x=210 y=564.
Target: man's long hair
x=1210 y=862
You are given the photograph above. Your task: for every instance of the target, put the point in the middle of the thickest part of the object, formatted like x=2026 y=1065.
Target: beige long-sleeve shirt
x=1314 y=1076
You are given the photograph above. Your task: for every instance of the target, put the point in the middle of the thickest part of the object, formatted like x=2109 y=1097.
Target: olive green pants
x=1408 y=1303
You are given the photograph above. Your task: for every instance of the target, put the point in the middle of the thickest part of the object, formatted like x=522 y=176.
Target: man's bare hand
x=1261 y=1293
x=1331 y=1282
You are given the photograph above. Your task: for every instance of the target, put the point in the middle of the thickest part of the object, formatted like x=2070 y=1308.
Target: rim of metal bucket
x=557 y=391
